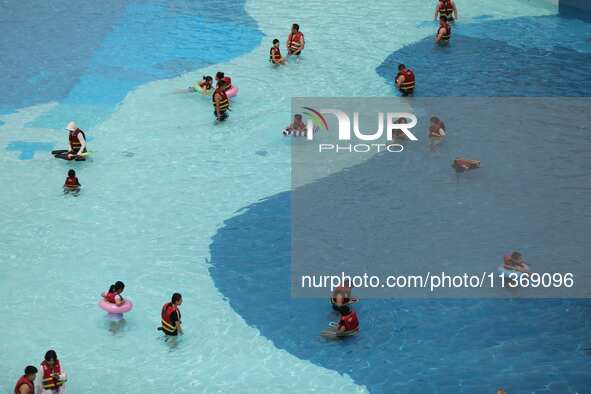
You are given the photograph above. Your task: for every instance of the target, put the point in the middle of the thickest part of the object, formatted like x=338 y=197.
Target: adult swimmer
x=52 y=378
x=171 y=316
x=25 y=384
x=295 y=41
x=443 y=32
x=446 y=8
x=221 y=103
x=77 y=140
x=113 y=295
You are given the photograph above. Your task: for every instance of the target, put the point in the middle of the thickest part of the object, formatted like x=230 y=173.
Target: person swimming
x=72 y=183
x=297 y=128
x=443 y=32
x=275 y=53
x=113 y=295
x=436 y=132
x=77 y=140
x=203 y=86
x=460 y=164
x=405 y=80
x=295 y=41
x=515 y=262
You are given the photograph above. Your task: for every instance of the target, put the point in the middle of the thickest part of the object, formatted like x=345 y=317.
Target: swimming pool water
x=163 y=180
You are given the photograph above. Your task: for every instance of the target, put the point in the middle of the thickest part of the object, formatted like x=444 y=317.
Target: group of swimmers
x=51 y=380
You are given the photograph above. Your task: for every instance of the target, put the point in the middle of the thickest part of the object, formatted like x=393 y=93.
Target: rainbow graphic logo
x=317 y=118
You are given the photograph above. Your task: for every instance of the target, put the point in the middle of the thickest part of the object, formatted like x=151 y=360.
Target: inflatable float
x=63 y=154
x=332 y=332
x=114 y=311
x=233 y=91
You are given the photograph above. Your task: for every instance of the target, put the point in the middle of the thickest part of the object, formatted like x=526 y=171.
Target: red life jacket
x=167 y=310
x=409 y=80
x=274 y=54
x=350 y=321
x=446 y=9
x=24 y=380
x=74 y=141
x=228 y=82
x=294 y=41
x=71 y=183
x=224 y=102
x=48 y=381
x=110 y=297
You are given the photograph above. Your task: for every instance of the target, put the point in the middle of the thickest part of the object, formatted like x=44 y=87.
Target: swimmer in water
x=515 y=263
x=436 y=132
x=460 y=164
x=52 y=378
x=77 y=140
x=171 y=316
x=297 y=128
x=275 y=53
x=221 y=77
x=295 y=41
x=446 y=8
x=348 y=322
x=443 y=32
x=71 y=183
x=221 y=103
x=113 y=296
x=405 y=80
x=344 y=291
x=26 y=383
x=205 y=85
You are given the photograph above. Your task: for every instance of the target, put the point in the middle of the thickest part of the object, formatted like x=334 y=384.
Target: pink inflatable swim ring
x=115 y=309
x=233 y=91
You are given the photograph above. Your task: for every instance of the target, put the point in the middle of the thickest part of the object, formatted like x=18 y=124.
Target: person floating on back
x=405 y=80
x=295 y=41
x=53 y=377
x=25 y=384
x=77 y=140
x=460 y=164
x=113 y=295
x=221 y=104
x=275 y=53
x=443 y=32
x=446 y=8
x=72 y=183
x=171 y=316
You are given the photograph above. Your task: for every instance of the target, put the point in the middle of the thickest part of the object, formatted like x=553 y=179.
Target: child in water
x=275 y=53
x=71 y=183
x=297 y=128
x=113 y=296
x=204 y=86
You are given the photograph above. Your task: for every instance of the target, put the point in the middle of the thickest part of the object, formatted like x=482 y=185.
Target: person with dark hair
x=405 y=80
x=113 y=295
x=53 y=377
x=295 y=41
x=460 y=164
x=72 y=183
x=25 y=384
x=275 y=53
x=443 y=32
x=341 y=295
x=515 y=262
x=204 y=86
x=171 y=316
x=297 y=128
x=221 y=103
x=446 y=8
x=436 y=132
x=221 y=77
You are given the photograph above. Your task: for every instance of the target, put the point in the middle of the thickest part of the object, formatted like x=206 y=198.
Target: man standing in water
x=171 y=316
x=295 y=41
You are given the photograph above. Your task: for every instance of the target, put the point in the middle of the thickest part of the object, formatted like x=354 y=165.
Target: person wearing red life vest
x=113 y=296
x=221 y=103
x=52 y=377
x=295 y=41
x=221 y=77
x=171 y=316
x=405 y=80
x=275 y=53
x=348 y=322
x=446 y=8
x=72 y=182
x=77 y=140
x=443 y=32
x=26 y=383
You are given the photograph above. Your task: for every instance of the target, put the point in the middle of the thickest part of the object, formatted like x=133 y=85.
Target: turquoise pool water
x=163 y=180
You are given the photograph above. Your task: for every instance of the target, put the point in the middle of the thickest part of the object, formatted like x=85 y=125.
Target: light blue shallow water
x=147 y=215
